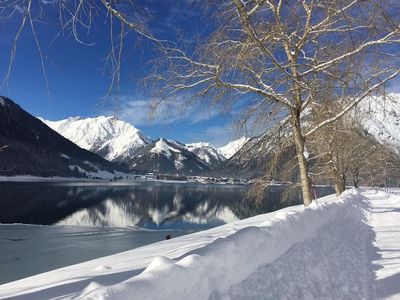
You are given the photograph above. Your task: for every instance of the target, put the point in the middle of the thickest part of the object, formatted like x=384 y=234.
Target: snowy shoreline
x=337 y=248
x=95 y=181
x=29 y=178
x=146 y=267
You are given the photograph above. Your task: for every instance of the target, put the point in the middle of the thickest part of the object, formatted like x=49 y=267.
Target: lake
x=51 y=225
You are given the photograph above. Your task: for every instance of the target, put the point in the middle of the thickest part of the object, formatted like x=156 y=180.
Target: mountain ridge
x=119 y=141
x=30 y=147
x=168 y=157
x=233 y=147
x=111 y=138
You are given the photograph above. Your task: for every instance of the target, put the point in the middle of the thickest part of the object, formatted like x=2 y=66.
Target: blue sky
x=77 y=83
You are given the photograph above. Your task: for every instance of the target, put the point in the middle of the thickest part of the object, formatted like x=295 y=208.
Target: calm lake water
x=88 y=220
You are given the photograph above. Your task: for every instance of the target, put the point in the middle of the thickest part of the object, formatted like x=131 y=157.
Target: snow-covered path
x=336 y=249
x=385 y=222
x=355 y=256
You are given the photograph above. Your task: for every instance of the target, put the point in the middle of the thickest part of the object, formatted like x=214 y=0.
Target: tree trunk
x=334 y=166
x=338 y=182
x=302 y=161
x=343 y=181
x=355 y=183
x=355 y=178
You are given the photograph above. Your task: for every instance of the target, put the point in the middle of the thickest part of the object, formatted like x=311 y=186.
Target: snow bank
x=213 y=269
x=195 y=266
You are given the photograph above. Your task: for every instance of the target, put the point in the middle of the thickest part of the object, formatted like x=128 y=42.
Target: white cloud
x=175 y=113
x=138 y=112
x=135 y=112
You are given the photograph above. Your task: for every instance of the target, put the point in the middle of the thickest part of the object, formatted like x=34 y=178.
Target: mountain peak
x=206 y=153
x=71 y=119
x=168 y=157
x=107 y=136
x=232 y=147
x=164 y=147
x=34 y=149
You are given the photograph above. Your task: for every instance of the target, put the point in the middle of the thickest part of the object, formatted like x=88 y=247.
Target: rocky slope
x=381 y=118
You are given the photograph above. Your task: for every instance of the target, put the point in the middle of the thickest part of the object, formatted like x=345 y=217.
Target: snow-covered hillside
x=382 y=118
x=207 y=153
x=232 y=147
x=109 y=137
x=117 y=140
x=168 y=157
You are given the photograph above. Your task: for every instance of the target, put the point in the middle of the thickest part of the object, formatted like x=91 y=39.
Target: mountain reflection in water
x=142 y=205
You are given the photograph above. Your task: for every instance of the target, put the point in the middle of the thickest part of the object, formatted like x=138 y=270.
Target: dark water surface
x=90 y=220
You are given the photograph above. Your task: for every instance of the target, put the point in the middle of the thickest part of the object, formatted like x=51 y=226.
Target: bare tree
x=277 y=55
x=339 y=148
x=76 y=18
x=344 y=150
x=267 y=57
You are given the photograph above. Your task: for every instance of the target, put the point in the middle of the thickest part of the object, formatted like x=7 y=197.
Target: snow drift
x=203 y=265
x=212 y=270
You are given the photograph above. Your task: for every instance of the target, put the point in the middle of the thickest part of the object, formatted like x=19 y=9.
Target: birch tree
x=341 y=147
x=344 y=150
x=277 y=55
x=263 y=57
x=76 y=18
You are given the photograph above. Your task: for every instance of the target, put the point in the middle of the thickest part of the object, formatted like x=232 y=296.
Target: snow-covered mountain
x=251 y=160
x=232 y=147
x=32 y=148
x=168 y=157
x=107 y=136
x=120 y=141
x=207 y=153
x=382 y=119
